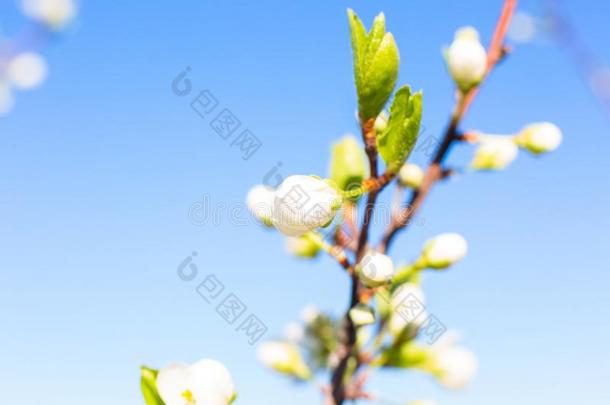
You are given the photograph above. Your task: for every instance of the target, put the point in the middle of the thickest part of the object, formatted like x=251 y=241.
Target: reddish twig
x=434 y=173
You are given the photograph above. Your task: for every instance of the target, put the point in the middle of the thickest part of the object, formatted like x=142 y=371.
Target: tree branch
x=434 y=172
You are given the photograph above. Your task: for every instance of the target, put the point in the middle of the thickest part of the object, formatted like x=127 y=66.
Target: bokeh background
x=100 y=166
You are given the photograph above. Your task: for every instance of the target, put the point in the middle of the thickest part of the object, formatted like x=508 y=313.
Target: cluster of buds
x=496 y=152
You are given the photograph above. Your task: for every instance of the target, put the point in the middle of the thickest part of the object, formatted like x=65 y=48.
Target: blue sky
x=101 y=165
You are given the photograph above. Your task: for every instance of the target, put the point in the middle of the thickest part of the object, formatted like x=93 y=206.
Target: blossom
x=540 y=137
x=26 y=70
x=408 y=309
x=494 y=153
x=466 y=58
x=444 y=250
x=304 y=203
x=381 y=122
x=411 y=175
x=455 y=366
x=375 y=269
x=55 y=13
x=206 y=382
x=284 y=358
x=260 y=203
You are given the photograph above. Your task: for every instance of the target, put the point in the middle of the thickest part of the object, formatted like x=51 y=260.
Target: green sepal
x=148 y=384
x=384 y=302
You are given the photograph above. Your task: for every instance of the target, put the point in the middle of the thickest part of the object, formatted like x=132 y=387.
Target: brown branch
x=338 y=388
x=434 y=173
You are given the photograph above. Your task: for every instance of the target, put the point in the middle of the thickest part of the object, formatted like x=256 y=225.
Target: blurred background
x=105 y=170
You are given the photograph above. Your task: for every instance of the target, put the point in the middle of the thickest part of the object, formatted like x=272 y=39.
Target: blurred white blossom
x=454 y=365
x=284 y=358
x=408 y=309
x=444 y=250
x=494 y=153
x=540 y=137
x=54 y=13
x=26 y=70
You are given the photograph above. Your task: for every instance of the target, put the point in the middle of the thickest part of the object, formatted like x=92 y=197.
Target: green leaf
x=376 y=61
x=359 y=44
x=148 y=383
x=397 y=141
x=347 y=165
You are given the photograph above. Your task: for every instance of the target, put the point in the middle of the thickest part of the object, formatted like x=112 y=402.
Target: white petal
x=209 y=379
x=172 y=382
x=260 y=202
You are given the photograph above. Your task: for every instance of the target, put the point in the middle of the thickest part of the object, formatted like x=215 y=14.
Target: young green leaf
x=148 y=383
x=397 y=141
x=376 y=61
x=359 y=44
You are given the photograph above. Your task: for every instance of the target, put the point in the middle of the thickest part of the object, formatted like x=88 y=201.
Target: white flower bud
x=381 y=122
x=540 y=137
x=375 y=269
x=362 y=315
x=494 y=153
x=55 y=13
x=444 y=250
x=302 y=246
x=27 y=70
x=284 y=358
x=408 y=308
x=304 y=203
x=454 y=366
x=411 y=175
x=466 y=59
x=260 y=203
x=206 y=382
